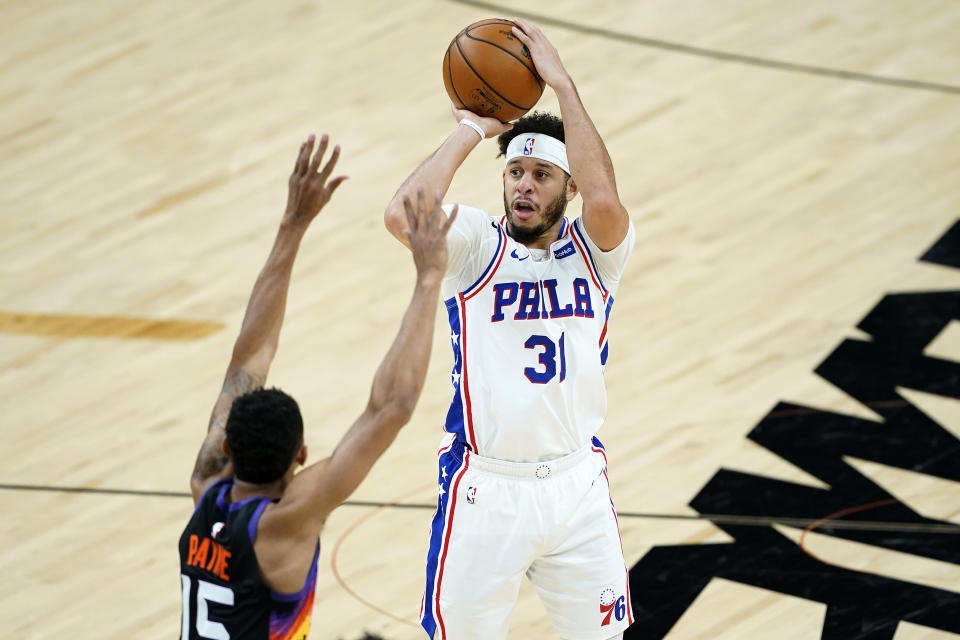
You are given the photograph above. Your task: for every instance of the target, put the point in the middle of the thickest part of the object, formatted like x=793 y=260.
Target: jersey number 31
x=548 y=359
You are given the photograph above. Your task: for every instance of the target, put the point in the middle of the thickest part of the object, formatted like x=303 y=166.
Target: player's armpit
x=323 y=486
x=607 y=223
x=212 y=462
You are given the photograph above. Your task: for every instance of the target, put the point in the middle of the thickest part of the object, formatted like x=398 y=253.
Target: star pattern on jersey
x=455 y=377
x=443 y=471
x=440 y=487
x=454 y=337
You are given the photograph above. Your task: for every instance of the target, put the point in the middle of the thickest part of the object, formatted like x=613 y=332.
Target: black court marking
x=754 y=521
x=861 y=604
x=726 y=56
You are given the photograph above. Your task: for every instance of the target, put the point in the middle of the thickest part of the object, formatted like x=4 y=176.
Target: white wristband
x=473 y=125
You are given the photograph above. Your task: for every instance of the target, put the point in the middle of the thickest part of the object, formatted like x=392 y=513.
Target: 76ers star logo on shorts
x=611 y=606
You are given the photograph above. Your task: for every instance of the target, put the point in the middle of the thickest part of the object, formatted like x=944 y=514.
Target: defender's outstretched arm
x=309 y=191
x=316 y=491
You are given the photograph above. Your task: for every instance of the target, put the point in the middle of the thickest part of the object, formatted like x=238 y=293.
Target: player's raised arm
x=309 y=190
x=320 y=488
x=436 y=172
x=605 y=217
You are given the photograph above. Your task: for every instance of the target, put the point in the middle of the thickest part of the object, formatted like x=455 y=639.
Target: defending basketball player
x=248 y=556
x=523 y=479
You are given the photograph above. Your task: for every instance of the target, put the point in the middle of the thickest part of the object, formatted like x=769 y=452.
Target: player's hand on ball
x=491 y=126
x=545 y=56
x=427 y=228
x=310 y=187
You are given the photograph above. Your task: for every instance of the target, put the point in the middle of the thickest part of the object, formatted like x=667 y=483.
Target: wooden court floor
x=784 y=376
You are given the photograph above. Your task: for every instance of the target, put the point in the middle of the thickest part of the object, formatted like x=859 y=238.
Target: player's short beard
x=551 y=215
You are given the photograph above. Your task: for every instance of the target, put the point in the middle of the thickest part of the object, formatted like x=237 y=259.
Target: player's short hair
x=536 y=122
x=264 y=434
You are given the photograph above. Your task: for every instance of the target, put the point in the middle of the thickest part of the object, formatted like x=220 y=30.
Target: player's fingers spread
x=304 y=156
x=296 y=163
x=408 y=212
x=518 y=32
x=321 y=149
x=450 y=219
x=420 y=205
x=436 y=211
x=336 y=182
x=331 y=163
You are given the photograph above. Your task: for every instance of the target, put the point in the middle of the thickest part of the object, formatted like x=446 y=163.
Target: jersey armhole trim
x=307 y=584
x=255 y=518
x=206 y=491
x=487 y=273
x=587 y=255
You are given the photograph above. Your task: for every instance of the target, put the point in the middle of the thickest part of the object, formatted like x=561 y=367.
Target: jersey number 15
x=206 y=592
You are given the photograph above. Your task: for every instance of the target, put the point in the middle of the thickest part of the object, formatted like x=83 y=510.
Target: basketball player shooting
x=522 y=478
x=248 y=556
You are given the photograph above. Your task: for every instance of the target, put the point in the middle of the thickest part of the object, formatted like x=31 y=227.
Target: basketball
x=488 y=71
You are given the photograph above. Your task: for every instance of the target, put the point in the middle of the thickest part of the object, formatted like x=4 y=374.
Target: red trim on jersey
x=464 y=385
x=604 y=454
x=596 y=281
x=476 y=290
x=464 y=380
x=586 y=260
x=452 y=503
x=617 y=520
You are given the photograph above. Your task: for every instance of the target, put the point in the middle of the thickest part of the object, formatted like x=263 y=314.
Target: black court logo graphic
x=859 y=605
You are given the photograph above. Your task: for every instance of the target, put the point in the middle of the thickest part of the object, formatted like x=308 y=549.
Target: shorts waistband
x=530 y=470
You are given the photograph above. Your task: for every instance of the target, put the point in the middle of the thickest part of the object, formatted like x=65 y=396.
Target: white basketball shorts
x=497 y=521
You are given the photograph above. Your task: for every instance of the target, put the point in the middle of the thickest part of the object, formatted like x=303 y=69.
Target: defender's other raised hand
x=309 y=188
x=427 y=229
x=545 y=56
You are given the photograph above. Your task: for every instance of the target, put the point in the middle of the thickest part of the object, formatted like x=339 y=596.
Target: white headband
x=539 y=145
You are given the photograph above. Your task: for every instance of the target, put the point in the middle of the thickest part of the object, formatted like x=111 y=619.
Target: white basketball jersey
x=529 y=337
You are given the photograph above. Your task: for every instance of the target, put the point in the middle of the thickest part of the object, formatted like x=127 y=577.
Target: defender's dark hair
x=264 y=433
x=536 y=122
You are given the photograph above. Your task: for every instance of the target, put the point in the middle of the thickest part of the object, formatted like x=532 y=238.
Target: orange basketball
x=487 y=70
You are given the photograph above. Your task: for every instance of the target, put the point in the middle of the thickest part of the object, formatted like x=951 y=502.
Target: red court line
x=343 y=536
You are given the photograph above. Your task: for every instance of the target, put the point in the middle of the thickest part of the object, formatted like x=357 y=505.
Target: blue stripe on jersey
x=454 y=420
x=586 y=248
x=500 y=241
x=606 y=342
x=449 y=464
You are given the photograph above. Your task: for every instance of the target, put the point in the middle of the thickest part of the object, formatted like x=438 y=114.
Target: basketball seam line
x=536 y=76
x=480 y=78
x=463 y=105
